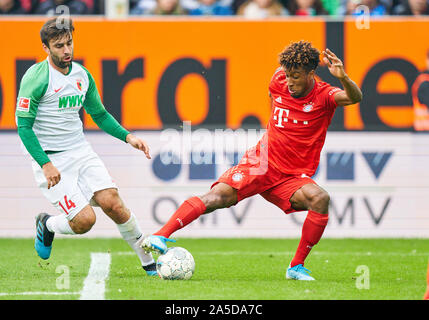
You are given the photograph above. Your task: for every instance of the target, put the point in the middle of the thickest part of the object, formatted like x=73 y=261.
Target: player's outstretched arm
x=352 y=93
x=108 y=124
x=105 y=120
x=139 y=144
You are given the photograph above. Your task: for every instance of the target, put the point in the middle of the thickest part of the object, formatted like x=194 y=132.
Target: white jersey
x=54 y=99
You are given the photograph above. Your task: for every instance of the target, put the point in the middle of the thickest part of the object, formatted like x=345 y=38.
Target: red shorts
x=276 y=187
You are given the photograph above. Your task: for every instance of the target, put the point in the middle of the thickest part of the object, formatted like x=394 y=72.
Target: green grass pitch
x=226 y=269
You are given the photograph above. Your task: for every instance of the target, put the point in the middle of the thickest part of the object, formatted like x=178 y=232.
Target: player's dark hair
x=300 y=54
x=56 y=28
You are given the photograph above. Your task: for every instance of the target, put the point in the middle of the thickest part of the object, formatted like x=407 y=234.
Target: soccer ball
x=175 y=264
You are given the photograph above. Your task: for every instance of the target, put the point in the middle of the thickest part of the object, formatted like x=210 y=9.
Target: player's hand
x=138 y=144
x=334 y=64
x=52 y=175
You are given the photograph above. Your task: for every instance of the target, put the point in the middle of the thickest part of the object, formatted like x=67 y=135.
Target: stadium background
x=153 y=73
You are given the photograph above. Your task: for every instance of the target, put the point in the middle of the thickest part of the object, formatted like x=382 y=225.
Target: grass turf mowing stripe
x=250 y=269
x=260 y=253
x=36 y=293
x=94 y=285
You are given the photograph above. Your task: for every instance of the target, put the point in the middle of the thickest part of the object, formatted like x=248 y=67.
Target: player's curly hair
x=55 y=28
x=300 y=54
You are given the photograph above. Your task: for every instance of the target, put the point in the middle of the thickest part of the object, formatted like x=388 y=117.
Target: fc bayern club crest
x=238 y=176
x=308 y=107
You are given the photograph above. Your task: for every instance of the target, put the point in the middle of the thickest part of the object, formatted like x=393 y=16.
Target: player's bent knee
x=320 y=201
x=83 y=226
x=117 y=207
x=114 y=206
x=216 y=200
x=109 y=200
x=223 y=200
x=83 y=222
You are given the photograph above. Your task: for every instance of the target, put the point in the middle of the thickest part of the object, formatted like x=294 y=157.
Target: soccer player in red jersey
x=279 y=167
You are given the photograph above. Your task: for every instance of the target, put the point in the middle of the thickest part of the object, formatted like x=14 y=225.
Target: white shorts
x=82 y=174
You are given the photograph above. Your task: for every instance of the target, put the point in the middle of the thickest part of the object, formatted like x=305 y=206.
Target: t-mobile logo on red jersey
x=280 y=115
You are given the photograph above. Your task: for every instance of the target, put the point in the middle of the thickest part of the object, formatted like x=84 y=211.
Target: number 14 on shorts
x=67 y=204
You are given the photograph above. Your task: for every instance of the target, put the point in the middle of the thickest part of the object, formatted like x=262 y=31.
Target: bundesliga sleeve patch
x=333 y=90
x=24 y=104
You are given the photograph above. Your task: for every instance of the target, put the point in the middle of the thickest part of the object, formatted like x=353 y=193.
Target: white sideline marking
x=35 y=293
x=94 y=285
x=258 y=253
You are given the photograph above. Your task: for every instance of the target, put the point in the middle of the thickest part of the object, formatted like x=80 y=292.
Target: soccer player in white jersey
x=69 y=173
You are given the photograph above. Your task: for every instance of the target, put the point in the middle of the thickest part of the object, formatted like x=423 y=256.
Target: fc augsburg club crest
x=79 y=84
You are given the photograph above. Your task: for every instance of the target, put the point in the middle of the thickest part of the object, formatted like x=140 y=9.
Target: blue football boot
x=298 y=272
x=156 y=244
x=44 y=238
x=151 y=269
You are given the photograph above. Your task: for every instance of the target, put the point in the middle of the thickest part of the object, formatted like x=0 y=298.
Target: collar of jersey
x=70 y=69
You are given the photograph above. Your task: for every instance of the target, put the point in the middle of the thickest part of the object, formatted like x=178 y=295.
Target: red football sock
x=312 y=231
x=190 y=210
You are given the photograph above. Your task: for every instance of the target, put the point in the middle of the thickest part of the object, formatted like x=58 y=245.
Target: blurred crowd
x=245 y=8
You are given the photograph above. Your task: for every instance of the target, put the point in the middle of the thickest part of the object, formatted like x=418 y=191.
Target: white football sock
x=59 y=224
x=131 y=233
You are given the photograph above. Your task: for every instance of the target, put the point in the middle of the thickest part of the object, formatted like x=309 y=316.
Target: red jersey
x=297 y=128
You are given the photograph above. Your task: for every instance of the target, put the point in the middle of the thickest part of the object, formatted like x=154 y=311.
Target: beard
x=61 y=64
